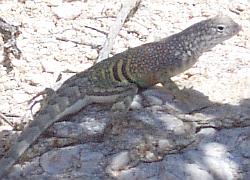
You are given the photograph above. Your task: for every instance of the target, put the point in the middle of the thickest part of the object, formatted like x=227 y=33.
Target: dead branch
x=128 y=9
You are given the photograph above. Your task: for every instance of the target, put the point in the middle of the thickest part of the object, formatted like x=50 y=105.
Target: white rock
x=70 y=33
x=68 y=10
x=136 y=103
x=65 y=45
x=51 y=65
x=18 y=63
x=30 y=4
x=92 y=54
x=244 y=148
x=44 y=26
x=154 y=100
x=194 y=171
x=6 y=6
x=45 y=79
x=60 y=160
x=120 y=161
x=1 y=50
x=21 y=97
x=207 y=132
x=1 y=57
x=53 y=2
x=10 y=85
x=134 y=42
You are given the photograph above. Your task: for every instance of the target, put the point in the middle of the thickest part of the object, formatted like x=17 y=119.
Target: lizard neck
x=195 y=42
x=185 y=48
x=192 y=44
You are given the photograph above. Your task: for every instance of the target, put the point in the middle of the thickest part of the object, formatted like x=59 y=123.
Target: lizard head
x=222 y=28
x=213 y=31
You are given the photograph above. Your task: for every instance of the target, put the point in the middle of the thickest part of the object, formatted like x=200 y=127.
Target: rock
x=134 y=42
x=244 y=147
x=30 y=4
x=59 y=160
x=194 y=171
x=53 y=2
x=11 y=84
x=65 y=45
x=51 y=65
x=68 y=10
x=44 y=26
x=21 y=97
x=120 y=161
x=45 y=79
x=92 y=54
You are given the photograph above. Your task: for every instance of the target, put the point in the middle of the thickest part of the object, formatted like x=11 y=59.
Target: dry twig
x=127 y=10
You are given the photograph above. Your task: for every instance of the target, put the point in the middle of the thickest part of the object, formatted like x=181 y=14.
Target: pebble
x=239 y=6
x=19 y=63
x=64 y=45
x=68 y=11
x=244 y=147
x=92 y=54
x=59 y=160
x=1 y=57
x=134 y=42
x=30 y=4
x=153 y=100
x=53 y=2
x=44 y=26
x=45 y=79
x=195 y=171
x=120 y=161
x=9 y=85
x=21 y=97
x=51 y=65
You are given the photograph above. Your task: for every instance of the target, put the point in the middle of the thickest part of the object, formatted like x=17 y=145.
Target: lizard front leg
x=171 y=86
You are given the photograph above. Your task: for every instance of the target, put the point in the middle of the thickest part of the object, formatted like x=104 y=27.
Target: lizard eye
x=220 y=28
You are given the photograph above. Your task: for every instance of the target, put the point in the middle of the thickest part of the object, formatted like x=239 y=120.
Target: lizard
x=117 y=79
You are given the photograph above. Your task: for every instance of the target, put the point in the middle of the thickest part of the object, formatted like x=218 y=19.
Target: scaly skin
x=117 y=79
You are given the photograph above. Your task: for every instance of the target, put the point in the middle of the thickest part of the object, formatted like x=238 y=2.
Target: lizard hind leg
x=119 y=116
x=123 y=104
x=125 y=98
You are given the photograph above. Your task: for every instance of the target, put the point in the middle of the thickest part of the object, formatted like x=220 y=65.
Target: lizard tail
x=23 y=142
x=43 y=120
